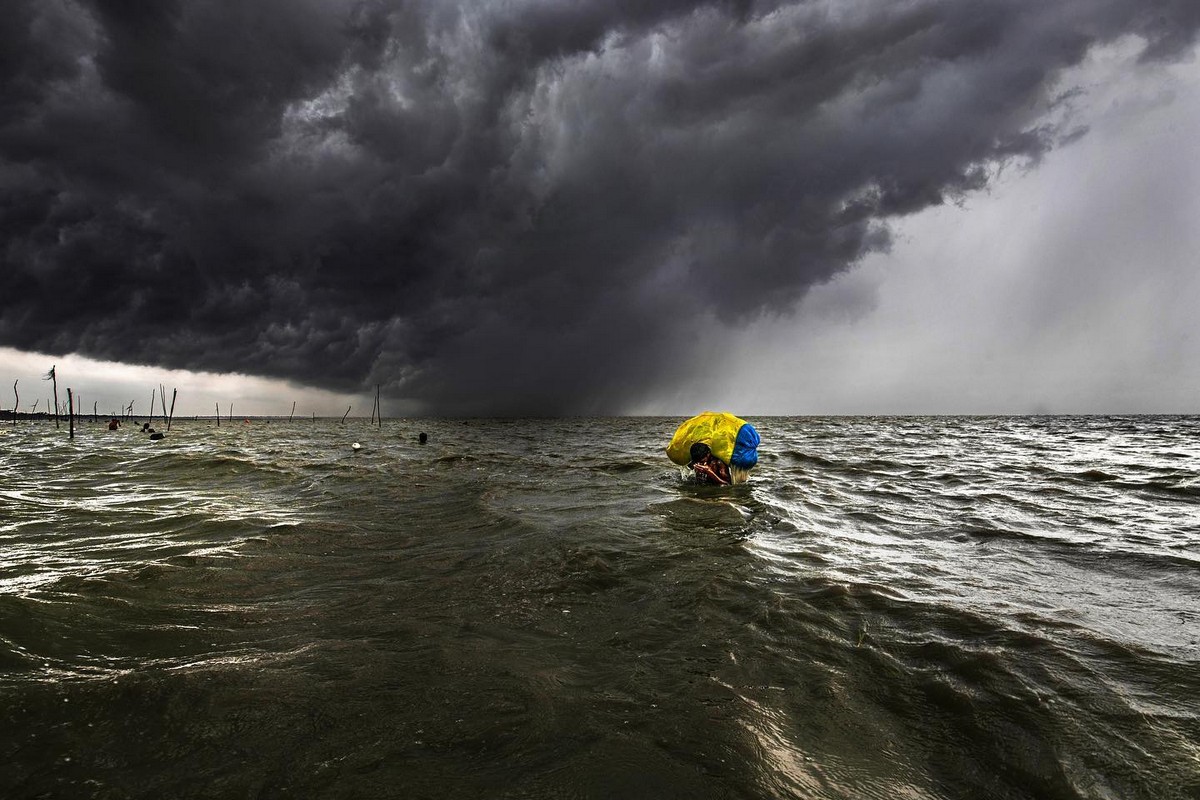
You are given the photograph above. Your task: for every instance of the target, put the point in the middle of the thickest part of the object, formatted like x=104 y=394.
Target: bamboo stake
x=347 y=413
x=379 y=406
x=53 y=376
x=172 y=414
x=151 y=407
x=231 y=413
x=17 y=403
x=293 y=411
x=162 y=395
x=218 y=405
x=71 y=411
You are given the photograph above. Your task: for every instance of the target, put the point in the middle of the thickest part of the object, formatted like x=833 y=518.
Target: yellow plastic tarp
x=716 y=429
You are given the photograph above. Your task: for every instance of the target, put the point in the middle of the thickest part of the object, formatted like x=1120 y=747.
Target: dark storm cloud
x=509 y=206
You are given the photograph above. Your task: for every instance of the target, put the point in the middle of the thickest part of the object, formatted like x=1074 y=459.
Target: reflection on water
x=924 y=608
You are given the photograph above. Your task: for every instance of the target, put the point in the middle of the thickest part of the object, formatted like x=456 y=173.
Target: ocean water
x=938 y=607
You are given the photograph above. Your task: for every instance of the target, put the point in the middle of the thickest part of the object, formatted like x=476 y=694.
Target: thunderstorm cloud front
x=520 y=206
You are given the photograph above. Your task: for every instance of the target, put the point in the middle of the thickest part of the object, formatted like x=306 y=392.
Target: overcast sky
x=603 y=207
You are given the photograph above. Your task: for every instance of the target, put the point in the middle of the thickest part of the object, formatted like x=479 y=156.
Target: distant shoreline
x=43 y=416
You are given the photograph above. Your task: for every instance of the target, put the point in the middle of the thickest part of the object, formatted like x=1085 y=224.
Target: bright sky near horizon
x=542 y=207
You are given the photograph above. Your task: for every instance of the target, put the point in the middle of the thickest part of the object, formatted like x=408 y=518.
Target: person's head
x=699 y=452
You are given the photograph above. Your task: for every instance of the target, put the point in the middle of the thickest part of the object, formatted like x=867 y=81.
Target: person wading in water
x=707 y=467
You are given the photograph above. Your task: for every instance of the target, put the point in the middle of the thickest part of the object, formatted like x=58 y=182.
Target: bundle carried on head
x=730 y=438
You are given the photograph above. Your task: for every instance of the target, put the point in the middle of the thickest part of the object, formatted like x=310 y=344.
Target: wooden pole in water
x=54 y=379
x=95 y=411
x=293 y=411
x=231 y=413
x=218 y=405
x=347 y=413
x=162 y=394
x=17 y=402
x=71 y=411
x=378 y=407
x=170 y=416
x=151 y=420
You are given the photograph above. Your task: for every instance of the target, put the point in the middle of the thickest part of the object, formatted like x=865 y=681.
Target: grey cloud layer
x=507 y=207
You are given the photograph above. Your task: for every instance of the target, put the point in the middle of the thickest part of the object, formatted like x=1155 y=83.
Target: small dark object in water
x=154 y=437
x=422 y=438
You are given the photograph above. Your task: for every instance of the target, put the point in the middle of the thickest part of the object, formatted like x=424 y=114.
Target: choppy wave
x=919 y=607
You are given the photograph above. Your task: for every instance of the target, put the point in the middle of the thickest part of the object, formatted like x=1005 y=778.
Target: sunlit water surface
x=892 y=608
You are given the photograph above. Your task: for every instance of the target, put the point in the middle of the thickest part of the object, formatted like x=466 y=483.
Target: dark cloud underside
x=492 y=207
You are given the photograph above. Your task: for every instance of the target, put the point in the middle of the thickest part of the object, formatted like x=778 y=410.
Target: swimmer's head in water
x=699 y=452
